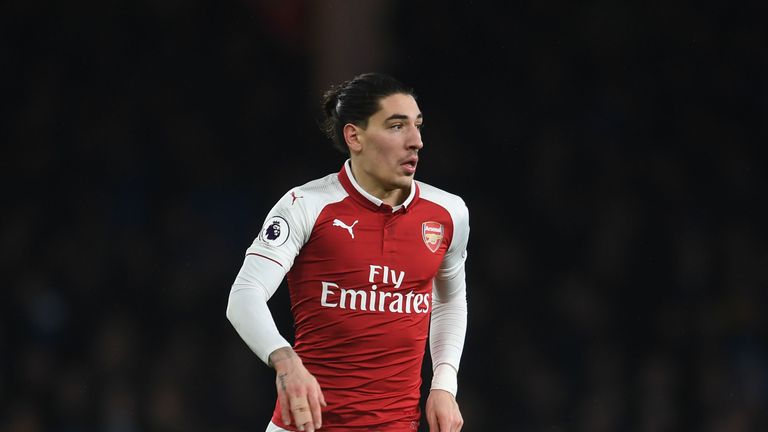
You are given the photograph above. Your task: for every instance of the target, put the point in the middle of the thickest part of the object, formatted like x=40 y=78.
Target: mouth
x=409 y=165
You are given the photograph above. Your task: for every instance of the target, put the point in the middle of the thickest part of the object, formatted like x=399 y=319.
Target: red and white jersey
x=360 y=281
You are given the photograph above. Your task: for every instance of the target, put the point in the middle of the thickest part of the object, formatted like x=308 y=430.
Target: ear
x=352 y=137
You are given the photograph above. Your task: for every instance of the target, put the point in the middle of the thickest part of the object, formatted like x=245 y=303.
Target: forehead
x=397 y=104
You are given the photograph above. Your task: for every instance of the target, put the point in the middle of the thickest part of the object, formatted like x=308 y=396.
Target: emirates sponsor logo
x=432 y=234
x=376 y=299
x=372 y=300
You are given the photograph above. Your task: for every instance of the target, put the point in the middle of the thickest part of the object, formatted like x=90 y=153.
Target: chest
x=377 y=247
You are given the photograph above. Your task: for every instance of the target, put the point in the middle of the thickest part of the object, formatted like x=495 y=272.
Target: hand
x=443 y=413
x=300 y=396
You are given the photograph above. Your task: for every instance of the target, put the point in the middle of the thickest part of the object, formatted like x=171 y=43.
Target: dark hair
x=354 y=101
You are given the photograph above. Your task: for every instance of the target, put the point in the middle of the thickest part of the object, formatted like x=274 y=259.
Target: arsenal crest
x=432 y=234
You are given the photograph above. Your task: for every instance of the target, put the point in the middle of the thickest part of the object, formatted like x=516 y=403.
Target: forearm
x=247 y=308
x=447 y=332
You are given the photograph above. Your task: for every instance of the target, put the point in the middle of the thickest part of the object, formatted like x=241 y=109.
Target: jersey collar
x=368 y=200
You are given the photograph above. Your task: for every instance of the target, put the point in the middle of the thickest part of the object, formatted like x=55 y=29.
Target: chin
x=404 y=182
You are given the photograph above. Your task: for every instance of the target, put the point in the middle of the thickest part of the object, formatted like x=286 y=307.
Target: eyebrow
x=401 y=117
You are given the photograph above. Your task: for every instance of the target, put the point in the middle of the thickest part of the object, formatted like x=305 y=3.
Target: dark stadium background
x=609 y=152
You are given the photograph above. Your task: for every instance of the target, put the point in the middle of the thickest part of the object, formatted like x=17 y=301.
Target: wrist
x=282 y=357
x=445 y=378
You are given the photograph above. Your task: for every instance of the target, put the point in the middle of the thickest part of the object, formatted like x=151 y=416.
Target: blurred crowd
x=608 y=153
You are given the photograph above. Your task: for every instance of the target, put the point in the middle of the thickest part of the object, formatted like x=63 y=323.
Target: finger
x=301 y=412
x=284 y=406
x=307 y=427
x=322 y=399
x=456 y=423
x=316 y=410
x=432 y=422
x=459 y=419
x=460 y=425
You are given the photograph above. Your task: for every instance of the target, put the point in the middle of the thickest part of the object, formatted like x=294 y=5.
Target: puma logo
x=339 y=223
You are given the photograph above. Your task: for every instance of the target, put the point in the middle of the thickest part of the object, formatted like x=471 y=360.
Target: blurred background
x=610 y=154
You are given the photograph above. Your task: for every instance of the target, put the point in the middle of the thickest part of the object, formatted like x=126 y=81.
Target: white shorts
x=271 y=427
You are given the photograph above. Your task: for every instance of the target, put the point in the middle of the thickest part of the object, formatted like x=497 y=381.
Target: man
x=375 y=264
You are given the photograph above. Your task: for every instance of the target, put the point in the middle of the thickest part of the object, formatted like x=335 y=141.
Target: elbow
x=231 y=312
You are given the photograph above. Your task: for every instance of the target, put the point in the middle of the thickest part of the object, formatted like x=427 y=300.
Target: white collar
x=371 y=198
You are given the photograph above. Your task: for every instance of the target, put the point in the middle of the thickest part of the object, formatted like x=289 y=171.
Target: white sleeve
x=447 y=331
x=449 y=310
x=247 y=308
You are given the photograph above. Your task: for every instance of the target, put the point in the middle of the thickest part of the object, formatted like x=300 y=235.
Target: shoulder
x=295 y=214
x=316 y=193
x=451 y=202
x=454 y=205
x=324 y=188
x=324 y=185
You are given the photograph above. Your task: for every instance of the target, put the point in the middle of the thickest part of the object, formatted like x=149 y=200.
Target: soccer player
x=375 y=267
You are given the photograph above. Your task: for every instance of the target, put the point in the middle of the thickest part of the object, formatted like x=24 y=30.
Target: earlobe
x=352 y=137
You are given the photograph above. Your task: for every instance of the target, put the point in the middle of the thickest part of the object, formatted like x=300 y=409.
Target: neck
x=391 y=196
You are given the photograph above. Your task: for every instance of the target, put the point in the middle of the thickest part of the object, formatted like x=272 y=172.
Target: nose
x=414 y=139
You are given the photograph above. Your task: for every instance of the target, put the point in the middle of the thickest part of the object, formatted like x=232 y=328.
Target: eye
x=420 y=126
x=397 y=126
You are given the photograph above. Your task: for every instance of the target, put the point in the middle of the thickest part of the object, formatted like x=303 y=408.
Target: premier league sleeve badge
x=275 y=231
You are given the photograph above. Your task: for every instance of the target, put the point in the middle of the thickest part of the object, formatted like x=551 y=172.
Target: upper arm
x=451 y=274
x=285 y=231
